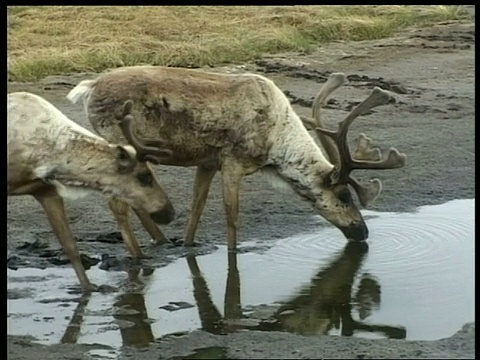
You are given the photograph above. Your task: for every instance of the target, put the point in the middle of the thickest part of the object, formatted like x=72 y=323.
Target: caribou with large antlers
x=51 y=157
x=238 y=124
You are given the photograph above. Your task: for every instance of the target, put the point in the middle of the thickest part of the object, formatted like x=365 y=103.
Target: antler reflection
x=327 y=301
x=324 y=304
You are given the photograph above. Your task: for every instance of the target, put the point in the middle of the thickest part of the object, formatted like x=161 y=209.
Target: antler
x=365 y=156
x=147 y=150
x=334 y=81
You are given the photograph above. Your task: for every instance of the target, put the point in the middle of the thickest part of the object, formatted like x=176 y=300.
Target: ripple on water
x=426 y=243
x=418 y=271
x=429 y=238
x=308 y=249
x=423 y=261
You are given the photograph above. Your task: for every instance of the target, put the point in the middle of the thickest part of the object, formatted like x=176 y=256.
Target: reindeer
x=51 y=157
x=239 y=124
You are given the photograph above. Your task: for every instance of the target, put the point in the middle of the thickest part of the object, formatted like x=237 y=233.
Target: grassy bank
x=47 y=40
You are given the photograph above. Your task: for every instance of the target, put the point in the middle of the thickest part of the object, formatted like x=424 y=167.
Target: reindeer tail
x=81 y=91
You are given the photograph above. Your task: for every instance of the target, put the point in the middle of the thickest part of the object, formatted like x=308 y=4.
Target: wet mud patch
x=462 y=36
x=39 y=254
x=413 y=280
x=401 y=99
x=445 y=48
x=43 y=251
x=303 y=71
x=334 y=103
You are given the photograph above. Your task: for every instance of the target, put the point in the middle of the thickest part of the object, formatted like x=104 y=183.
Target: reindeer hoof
x=189 y=245
x=177 y=242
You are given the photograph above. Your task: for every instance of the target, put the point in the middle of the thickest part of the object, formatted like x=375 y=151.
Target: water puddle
x=414 y=280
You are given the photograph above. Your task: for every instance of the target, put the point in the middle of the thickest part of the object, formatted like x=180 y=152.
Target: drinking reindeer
x=51 y=157
x=239 y=124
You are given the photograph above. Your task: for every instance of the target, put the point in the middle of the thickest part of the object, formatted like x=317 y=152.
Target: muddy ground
x=430 y=73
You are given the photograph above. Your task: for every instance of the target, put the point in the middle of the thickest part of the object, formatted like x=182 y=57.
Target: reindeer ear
x=125 y=161
x=332 y=177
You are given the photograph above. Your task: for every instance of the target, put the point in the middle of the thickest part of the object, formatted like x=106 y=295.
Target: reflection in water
x=131 y=313
x=210 y=318
x=139 y=332
x=418 y=265
x=73 y=328
x=325 y=304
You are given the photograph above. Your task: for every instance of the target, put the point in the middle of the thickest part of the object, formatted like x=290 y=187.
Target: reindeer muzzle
x=356 y=231
x=164 y=216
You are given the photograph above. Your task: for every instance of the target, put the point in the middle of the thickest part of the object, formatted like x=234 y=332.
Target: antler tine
x=127 y=108
x=376 y=98
x=365 y=151
x=334 y=81
x=151 y=153
x=367 y=191
x=394 y=160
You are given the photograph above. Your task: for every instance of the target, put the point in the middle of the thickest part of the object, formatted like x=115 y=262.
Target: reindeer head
x=336 y=203
x=132 y=166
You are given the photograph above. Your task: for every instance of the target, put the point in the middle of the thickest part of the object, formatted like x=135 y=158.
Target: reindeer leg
x=151 y=227
x=120 y=211
x=54 y=207
x=203 y=179
x=232 y=174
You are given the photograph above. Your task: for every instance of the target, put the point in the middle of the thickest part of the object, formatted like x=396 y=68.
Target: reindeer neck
x=76 y=154
x=298 y=160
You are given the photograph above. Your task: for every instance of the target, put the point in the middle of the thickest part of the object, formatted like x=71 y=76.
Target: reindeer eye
x=123 y=156
x=345 y=197
x=145 y=178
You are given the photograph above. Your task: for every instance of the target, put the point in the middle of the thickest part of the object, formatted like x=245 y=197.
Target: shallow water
x=414 y=280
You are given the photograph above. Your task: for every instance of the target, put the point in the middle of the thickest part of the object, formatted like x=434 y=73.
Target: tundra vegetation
x=55 y=40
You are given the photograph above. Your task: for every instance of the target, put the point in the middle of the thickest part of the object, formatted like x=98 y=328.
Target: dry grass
x=47 y=40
